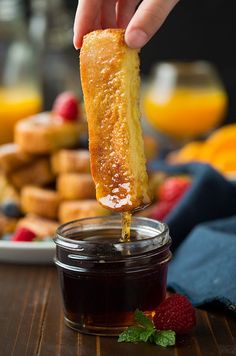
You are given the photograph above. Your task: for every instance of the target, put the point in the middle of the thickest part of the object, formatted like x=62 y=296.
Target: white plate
x=27 y=252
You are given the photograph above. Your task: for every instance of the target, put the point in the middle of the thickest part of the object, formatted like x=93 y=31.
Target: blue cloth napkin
x=204 y=266
x=210 y=197
x=203 y=230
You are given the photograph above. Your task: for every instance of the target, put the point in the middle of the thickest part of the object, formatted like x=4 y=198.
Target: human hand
x=140 y=25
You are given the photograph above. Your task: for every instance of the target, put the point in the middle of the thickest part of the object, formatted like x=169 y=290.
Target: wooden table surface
x=31 y=323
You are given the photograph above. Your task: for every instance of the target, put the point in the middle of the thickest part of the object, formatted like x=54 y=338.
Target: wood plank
x=52 y=323
x=34 y=314
x=231 y=325
x=10 y=307
x=110 y=347
x=88 y=345
x=30 y=294
x=68 y=339
x=222 y=334
x=32 y=323
x=205 y=339
x=187 y=345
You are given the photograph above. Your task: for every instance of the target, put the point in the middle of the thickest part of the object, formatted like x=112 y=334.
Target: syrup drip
x=126 y=223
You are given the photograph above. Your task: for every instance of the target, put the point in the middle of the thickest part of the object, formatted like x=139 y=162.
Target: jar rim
x=158 y=229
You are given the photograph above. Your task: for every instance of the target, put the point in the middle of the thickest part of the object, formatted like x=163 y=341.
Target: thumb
x=146 y=21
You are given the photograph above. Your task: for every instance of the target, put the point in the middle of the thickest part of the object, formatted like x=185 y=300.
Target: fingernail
x=74 y=42
x=136 y=38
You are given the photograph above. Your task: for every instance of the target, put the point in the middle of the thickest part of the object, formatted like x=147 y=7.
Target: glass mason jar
x=103 y=281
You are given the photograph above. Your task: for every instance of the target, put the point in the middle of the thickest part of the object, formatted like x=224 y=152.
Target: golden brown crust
x=42 y=227
x=67 y=161
x=110 y=81
x=11 y=157
x=44 y=133
x=7 y=191
x=72 y=210
x=43 y=202
x=37 y=173
x=73 y=186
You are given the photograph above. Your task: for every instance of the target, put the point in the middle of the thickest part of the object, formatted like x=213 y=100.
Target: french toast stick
x=41 y=226
x=110 y=82
x=79 y=209
x=75 y=186
x=40 y=201
x=70 y=161
x=12 y=158
x=37 y=173
x=45 y=132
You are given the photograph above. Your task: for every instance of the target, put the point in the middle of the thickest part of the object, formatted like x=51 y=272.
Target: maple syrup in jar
x=103 y=280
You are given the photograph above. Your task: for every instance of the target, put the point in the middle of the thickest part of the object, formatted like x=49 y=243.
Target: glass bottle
x=51 y=32
x=19 y=86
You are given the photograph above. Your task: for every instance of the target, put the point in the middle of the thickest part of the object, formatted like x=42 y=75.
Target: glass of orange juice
x=16 y=102
x=19 y=82
x=184 y=100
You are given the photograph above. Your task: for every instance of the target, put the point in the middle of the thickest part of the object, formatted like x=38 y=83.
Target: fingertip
x=136 y=38
x=77 y=43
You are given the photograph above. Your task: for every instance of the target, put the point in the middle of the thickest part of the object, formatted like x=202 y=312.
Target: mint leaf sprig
x=145 y=331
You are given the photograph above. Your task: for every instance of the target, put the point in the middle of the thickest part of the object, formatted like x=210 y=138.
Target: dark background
x=195 y=30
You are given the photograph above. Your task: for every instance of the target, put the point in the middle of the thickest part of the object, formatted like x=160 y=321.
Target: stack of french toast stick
x=45 y=178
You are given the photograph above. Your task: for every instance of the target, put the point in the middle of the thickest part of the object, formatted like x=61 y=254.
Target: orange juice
x=16 y=103
x=185 y=112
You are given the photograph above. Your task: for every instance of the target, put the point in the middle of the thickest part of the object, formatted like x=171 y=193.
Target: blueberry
x=11 y=209
x=6 y=237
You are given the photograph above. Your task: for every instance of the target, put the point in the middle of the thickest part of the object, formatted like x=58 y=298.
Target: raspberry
x=66 y=106
x=175 y=313
x=173 y=188
x=161 y=210
x=23 y=234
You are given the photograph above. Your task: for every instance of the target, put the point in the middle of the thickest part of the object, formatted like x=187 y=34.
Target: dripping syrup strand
x=126 y=224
